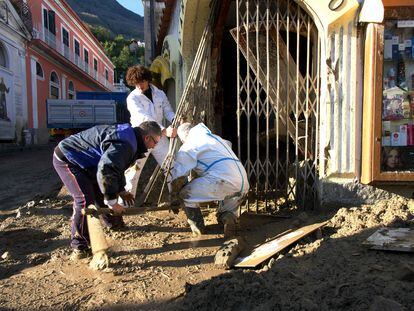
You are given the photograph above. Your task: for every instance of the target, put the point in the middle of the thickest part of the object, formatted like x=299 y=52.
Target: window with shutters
x=39 y=71
x=49 y=21
x=54 y=86
x=65 y=37
x=77 y=48
x=71 y=90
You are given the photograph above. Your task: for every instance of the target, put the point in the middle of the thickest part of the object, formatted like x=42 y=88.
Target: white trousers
x=133 y=173
x=208 y=188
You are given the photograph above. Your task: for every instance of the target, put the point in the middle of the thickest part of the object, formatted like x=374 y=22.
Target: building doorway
x=269 y=68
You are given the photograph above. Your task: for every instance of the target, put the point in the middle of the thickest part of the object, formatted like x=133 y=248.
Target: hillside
x=110 y=15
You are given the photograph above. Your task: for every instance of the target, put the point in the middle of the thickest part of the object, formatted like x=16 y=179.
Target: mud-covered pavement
x=157 y=265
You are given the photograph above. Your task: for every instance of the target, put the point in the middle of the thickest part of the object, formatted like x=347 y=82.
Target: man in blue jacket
x=92 y=163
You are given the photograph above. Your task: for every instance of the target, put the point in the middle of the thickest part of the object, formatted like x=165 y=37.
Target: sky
x=133 y=5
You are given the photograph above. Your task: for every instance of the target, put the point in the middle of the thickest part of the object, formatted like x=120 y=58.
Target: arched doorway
x=276 y=82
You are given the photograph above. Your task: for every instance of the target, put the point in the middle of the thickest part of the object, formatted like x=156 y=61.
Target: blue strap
x=202 y=163
x=219 y=160
x=230 y=153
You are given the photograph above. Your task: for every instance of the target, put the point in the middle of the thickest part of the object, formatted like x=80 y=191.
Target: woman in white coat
x=147 y=103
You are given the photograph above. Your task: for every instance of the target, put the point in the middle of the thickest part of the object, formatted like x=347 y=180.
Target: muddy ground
x=157 y=265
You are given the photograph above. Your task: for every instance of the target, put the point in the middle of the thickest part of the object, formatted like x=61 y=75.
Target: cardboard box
x=395 y=40
x=412 y=47
x=388 y=49
x=410 y=135
x=386 y=141
x=395 y=51
x=392 y=104
x=386 y=128
x=408 y=48
x=398 y=139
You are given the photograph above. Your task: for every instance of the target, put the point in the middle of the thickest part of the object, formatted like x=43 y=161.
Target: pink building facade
x=63 y=57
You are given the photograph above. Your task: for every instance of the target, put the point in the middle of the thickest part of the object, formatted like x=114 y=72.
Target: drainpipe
x=152 y=29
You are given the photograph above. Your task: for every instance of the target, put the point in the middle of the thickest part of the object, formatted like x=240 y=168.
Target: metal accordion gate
x=278 y=58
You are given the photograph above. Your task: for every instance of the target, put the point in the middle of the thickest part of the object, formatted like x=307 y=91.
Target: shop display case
x=397 y=134
x=391 y=150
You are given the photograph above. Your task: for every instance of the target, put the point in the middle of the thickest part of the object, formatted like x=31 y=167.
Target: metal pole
x=152 y=29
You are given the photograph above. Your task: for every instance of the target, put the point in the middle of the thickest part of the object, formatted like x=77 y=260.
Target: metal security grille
x=278 y=102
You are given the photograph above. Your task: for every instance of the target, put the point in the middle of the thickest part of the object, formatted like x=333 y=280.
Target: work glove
x=175 y=202
x=178 y=183
x=117 y=209
x=128 y=198
x=171 y=132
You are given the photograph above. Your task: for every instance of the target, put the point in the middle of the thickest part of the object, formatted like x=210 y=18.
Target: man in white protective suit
x=221 y=177
x=147 y=103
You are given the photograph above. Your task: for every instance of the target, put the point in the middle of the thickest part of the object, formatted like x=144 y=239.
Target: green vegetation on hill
x=109 y=14
x=122 y=55
x=113 y=26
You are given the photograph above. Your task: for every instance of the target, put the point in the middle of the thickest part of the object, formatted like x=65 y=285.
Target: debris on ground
x=228 y=252
x=157 y=265
x=392 y=239
x=270 y=248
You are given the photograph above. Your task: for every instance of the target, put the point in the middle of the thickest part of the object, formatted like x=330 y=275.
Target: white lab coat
x=142 y=109
x=221 y=175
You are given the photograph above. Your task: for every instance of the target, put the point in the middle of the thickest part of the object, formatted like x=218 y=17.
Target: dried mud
x=157 y=265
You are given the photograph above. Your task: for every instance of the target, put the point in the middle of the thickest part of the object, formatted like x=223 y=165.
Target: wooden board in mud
x=269 y=249
x=392 y=239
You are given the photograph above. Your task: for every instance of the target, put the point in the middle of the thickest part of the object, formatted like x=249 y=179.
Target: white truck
x=80 y=113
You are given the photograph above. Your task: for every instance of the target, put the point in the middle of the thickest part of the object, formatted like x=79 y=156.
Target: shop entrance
x=269 y=69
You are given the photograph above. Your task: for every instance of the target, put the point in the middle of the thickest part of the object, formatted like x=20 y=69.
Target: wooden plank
x=392 y=239
x=260 y=71
x=269 y=249
x=371 y=133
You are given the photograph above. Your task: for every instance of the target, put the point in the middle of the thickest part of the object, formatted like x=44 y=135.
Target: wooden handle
x=93 y=210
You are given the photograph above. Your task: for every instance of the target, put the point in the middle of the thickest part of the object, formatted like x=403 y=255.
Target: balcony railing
x=66 y=51
x=39 y=32
x=24 y=12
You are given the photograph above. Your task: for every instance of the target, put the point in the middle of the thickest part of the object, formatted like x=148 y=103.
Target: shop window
x=71 y=90
x=39 y=71
x=397 y=144
x=54 y=86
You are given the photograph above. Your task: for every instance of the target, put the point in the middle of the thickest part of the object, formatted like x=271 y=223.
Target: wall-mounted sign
x=405 y=24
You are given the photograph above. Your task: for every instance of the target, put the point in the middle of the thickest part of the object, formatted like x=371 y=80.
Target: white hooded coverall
x=142 y=109
x=221 y=175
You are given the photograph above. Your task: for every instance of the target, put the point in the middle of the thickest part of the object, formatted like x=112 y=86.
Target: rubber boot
x=195 y=220
x=229 y=221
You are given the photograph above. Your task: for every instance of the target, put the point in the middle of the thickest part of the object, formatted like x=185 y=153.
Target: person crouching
x=221 y=177
x=91 y=165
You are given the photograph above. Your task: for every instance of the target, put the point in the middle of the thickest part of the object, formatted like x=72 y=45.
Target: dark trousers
x=84 y=191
